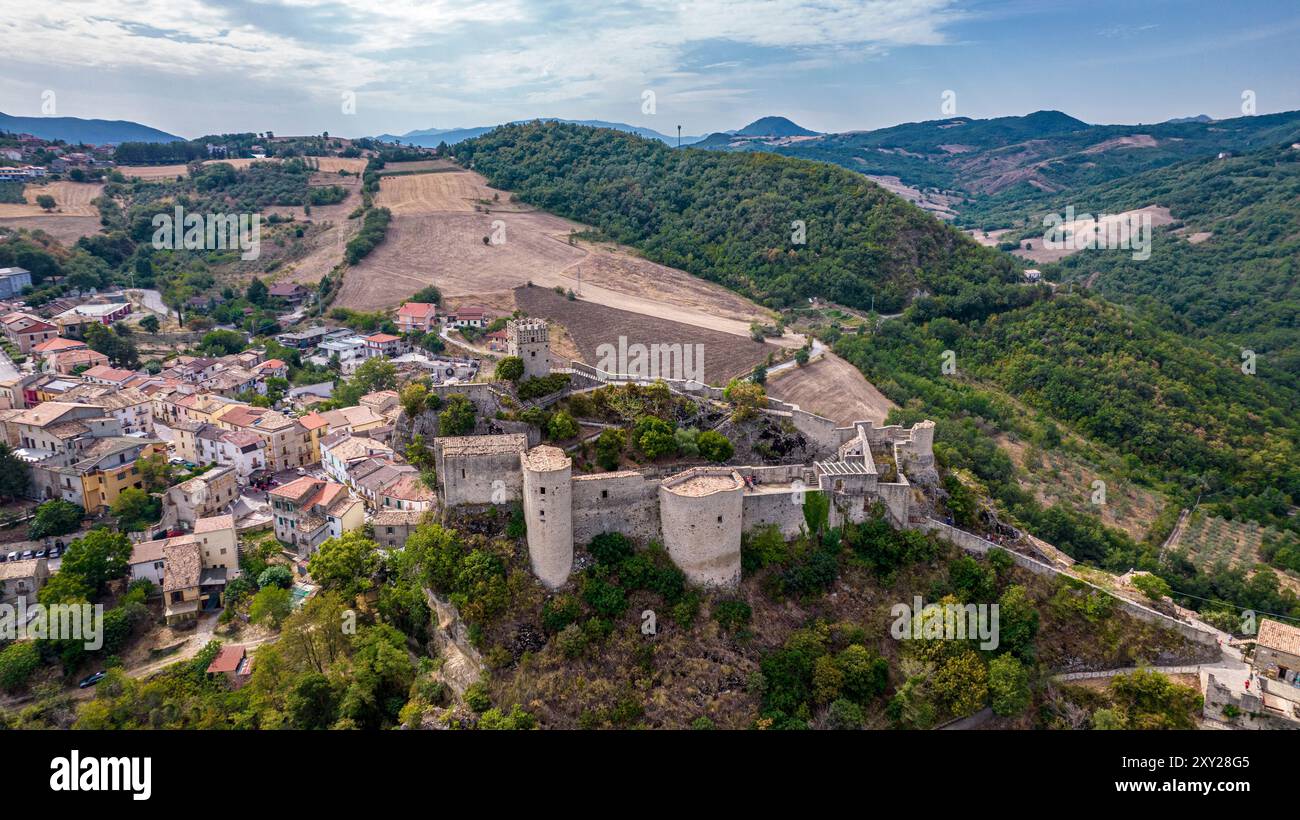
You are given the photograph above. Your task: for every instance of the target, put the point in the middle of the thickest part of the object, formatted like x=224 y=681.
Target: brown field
x=590 y=326
x=66 y=229
x=833 y=388
x=71 y=199
x=436 y=237
x=331 y=229
x=336 y=164
x=438 y=192
x=420 y=165
x=1159 y=216
x=153 y=171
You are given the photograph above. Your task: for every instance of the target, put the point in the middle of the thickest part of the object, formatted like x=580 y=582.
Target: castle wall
x=626 y=503
x=897 y=499
x=702 y=531
x=473 y=479
x=781 y=508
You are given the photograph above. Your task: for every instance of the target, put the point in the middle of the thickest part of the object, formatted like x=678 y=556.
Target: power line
x=1234 y=606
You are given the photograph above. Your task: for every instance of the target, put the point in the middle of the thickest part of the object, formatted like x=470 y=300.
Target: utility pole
x=679 y=136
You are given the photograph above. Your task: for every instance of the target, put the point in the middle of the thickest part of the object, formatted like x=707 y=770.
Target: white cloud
x=472 y=57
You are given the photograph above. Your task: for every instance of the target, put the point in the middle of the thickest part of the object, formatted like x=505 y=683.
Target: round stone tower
x=548 y=511
x=701 y=518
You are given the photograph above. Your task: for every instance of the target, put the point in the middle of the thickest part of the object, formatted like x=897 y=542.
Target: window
x=543 y=489
x=604 y=493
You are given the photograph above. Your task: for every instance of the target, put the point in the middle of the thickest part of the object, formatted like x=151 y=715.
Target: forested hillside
x=1184 y=417
x=730 y=217
x=1229 y=268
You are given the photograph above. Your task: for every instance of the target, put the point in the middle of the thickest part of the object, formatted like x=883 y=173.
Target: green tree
x=17 y=663
x=56 y=517
x=654 y=437
x=745 y=398
x=135 y=510
x=609 y=447
x=271 y=606
x=275 y=575
x=714 y=446
x=97 y=558
x=257 y=292
x=414 y=397
x=345 y=563
x=457 y=417
x=45 y=201
x=562 y=427
x=15 y=474
x=510 y=369
x=157 y=473
x=1008 y=685
x=150 y=324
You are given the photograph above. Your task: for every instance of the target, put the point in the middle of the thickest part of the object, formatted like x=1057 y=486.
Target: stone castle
x=698 y=514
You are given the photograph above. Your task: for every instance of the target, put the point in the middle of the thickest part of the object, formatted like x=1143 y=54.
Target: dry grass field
x=833 y=388
x=153 y=171
x=436 y=237
x=590 y=325
x=66 y=229
x=71 y=199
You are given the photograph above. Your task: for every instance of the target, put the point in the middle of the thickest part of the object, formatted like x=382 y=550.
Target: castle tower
x=530 y=340
x=701 y=512
x=548 y=512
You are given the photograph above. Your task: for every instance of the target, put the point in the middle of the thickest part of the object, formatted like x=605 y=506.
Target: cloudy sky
x=195 y=67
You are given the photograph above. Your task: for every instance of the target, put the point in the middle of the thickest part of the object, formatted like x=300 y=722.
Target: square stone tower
x=530 y=340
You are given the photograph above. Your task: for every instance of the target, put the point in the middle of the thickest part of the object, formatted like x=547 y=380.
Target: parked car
x=40 y=553
x=13 y=556
x=55 y=551
x=29 y=554
x=3 y=557
x=92 y=679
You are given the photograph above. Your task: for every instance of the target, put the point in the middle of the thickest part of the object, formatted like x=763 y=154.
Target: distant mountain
x=775 y=127
x=991 y=169
x=75 y=129
x=1197 y=118
x=431 y=137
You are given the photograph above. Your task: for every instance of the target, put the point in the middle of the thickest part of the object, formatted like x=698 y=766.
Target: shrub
x=477 y=697
x=559 y=612
x=611 y=548
x=278 y=575
x=17 y=663
x=714 y=446
x=562 y=427
x=733 y=614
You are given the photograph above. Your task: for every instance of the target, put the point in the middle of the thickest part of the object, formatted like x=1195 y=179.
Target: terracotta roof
x=381 y=338
x=295 y=488
x=1279 y=636
x=312 y=421
x=57 y=344
x=112 y=374
x=409 y=488
x=147 y=552
x=227 y=660
x=214 y=523
x=419 y=309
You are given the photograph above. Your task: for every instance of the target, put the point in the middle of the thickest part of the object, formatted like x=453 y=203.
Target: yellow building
x=107 y=467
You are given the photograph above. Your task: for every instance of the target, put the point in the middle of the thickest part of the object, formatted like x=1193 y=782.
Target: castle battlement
x=699 y=513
